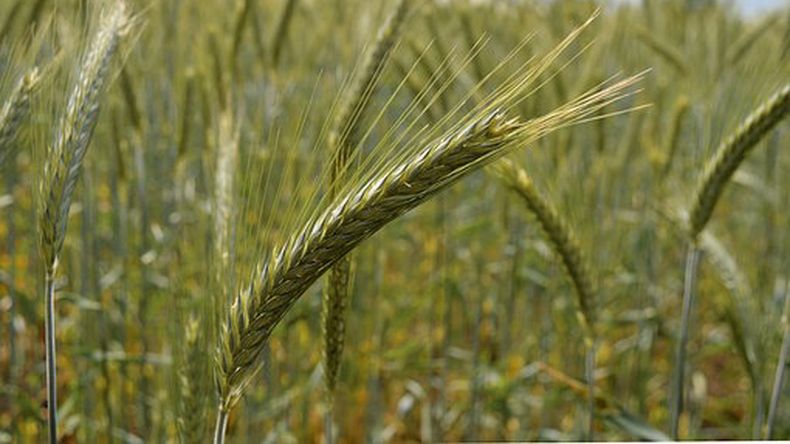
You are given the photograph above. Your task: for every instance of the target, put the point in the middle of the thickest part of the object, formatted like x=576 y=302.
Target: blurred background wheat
x=226 y=126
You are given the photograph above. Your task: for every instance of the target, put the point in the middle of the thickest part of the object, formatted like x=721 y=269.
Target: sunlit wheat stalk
x=227 y=154
x=62 y=167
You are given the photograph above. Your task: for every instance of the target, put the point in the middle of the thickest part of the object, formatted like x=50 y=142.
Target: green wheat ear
x=731 y=153
x=559 y=234
x=15 y=110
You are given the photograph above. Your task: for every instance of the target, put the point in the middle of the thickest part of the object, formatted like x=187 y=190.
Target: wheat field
x=390 y=221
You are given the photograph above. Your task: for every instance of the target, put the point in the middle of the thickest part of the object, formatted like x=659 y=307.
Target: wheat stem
x=689 y=295
x=221 y=426
x=52 y=380
x=282 y=31
x=681 y=106
x=781 y=368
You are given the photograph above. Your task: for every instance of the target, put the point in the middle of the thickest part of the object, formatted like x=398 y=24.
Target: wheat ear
x=718 y=171
x=559 y=234
x=345 y=142
x=62 y=169
x=567 y=248
x=361 y=211
x=192 y=374
x=14 y=111
x=731 y=153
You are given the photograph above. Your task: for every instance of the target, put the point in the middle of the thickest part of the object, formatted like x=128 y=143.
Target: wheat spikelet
x=336 y=291
x=560 y=235
x=735 y=308
x=731 y=153
x=15 y=110
x=360 y=212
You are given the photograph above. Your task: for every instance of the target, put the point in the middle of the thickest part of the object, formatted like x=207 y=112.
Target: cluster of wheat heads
x=429 y=164
x=63 y=163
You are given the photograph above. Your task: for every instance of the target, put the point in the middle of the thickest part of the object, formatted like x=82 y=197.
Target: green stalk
x=49 y=338
x=781 y=365
x=222 y=425
x=589 y=370
x=689 y=291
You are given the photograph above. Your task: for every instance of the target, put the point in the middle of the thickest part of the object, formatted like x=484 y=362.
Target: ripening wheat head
x=424 y=165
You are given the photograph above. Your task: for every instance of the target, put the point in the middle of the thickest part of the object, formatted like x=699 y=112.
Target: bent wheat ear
x=16 y=108
x=567 y=248
x=559 y=234
x=363 y=210
x=731 y=153
x=62 y=167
